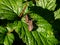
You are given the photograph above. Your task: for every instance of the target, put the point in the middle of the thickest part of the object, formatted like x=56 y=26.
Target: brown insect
x=29 y=23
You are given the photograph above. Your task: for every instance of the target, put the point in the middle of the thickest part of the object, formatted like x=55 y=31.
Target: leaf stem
x=21 y=14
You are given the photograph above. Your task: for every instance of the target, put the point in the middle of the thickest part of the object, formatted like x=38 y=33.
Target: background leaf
x=2 y=34
x=10 y=9
x=57 y=14
x=9 y=39
x=46 y=4
x=5 y=37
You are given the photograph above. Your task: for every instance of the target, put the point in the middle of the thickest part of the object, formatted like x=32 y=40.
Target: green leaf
x=42 y=35
x=5 y=37
x=57 y=14
x=9 y=39
x=46 y=4
x=10 y=9
x=18 y=27
x=11 y=26
x=2 y=34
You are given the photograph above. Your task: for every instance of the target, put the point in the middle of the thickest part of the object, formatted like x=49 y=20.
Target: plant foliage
x=32 y=20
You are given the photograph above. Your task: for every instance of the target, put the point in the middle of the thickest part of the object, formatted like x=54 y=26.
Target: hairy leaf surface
x=10 y=9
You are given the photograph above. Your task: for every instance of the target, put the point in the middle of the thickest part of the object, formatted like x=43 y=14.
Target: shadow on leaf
x=45 y=13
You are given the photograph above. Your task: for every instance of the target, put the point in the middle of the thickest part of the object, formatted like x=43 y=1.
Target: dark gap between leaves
x=17 y=40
